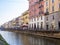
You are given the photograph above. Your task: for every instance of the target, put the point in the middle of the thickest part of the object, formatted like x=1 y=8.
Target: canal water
x=22 y=39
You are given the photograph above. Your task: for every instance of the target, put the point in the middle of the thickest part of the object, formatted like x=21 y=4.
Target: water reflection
x=32 y=40
x=14 y=38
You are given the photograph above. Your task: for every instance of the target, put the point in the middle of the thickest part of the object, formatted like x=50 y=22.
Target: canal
x=14 y=38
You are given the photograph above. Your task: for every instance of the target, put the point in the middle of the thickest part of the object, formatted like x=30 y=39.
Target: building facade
x=20 y=21
x=5 y=25
x=52 y=21
x=39 y=10
x=25 y=18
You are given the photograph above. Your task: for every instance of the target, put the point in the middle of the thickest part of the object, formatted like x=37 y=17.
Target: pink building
x=36 y=8
x=44 y=14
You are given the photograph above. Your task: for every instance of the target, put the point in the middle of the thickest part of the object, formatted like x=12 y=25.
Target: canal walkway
x=50 y=34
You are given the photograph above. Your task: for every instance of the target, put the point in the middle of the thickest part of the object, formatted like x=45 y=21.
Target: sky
x=10 y=9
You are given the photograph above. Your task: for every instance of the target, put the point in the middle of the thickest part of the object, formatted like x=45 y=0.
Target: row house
x=25 y=17
x=40 y=10
x=18 y=22
x=5 y=25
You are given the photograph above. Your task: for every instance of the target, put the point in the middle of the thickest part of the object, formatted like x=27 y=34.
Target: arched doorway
x=34 y=25
x=47 y=27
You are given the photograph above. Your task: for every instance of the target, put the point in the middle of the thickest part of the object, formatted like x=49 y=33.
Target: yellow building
x=51 y=6
x=20 y=20
x=25 y=17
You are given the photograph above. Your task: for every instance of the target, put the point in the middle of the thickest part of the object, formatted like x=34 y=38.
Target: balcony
x=40 y=6
x=40 y=0
x=47 y=13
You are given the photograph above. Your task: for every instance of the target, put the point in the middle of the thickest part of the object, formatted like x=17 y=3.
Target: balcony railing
x=47 y=13
x=40 y=0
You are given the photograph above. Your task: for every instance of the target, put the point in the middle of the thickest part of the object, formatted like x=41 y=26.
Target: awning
x=24 y=25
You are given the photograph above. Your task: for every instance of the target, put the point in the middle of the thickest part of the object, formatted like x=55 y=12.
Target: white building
x=52 y=21
x=47 y=22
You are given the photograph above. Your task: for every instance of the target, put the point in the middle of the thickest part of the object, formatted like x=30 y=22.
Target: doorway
x=47 y=27
x=59 y=25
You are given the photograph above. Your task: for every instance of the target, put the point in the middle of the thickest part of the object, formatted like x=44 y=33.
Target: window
x=53 y=17
x=46 y=9
x=52 y=1
x=59 y=5
x=41 y=25
x=34 y=25
x=47 y=12
x=47 y=27
x=40 y=6
x=46 y=3
x=41 y=17
x=52 y=8
x=37 y=25
x=59 y=24
x=26 y=23
x=47 y=18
